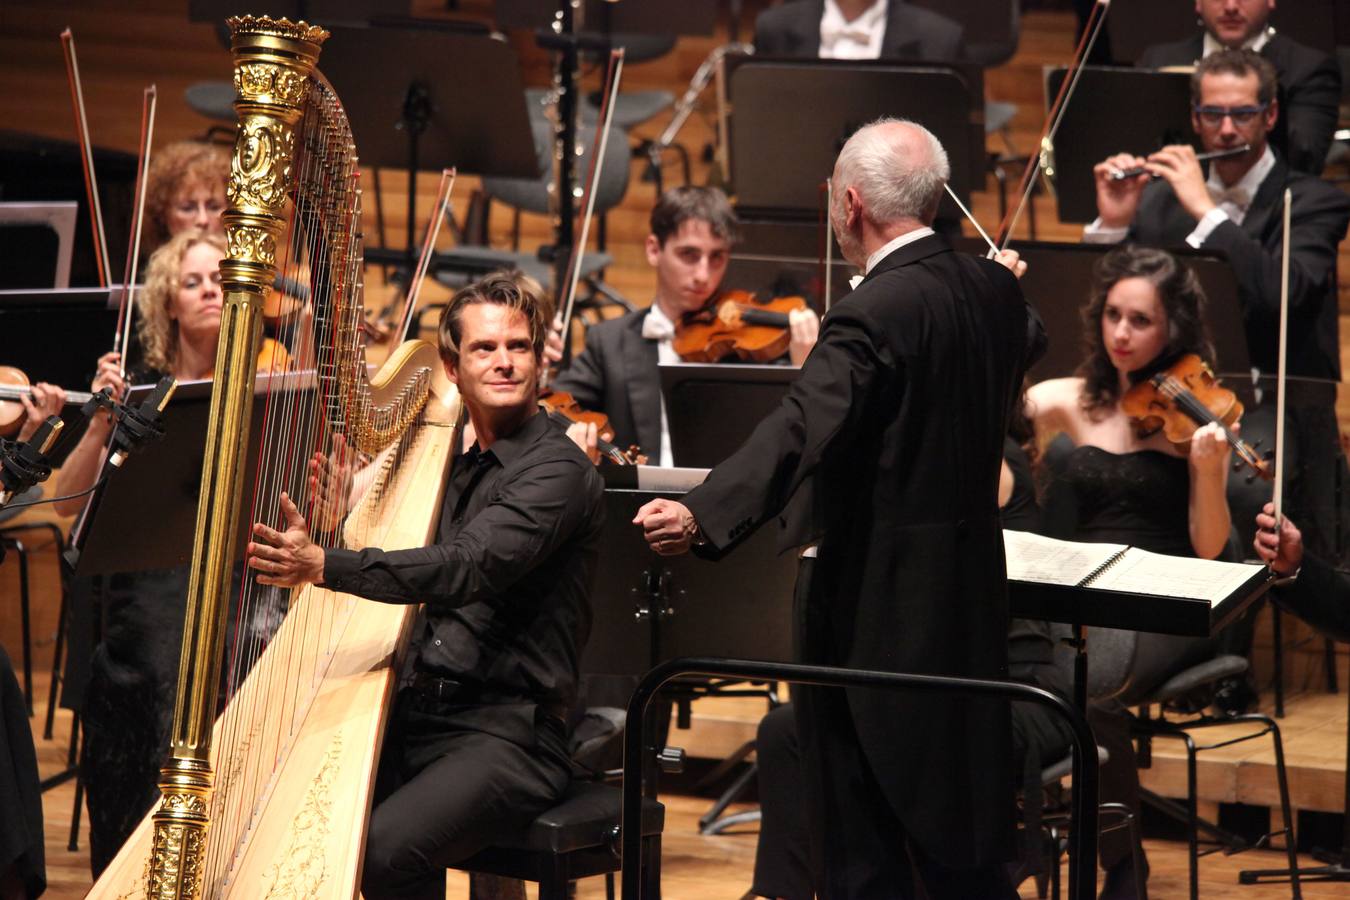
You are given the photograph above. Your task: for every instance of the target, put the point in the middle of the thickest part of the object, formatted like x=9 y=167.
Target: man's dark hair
x=1182 y=299
x=701 y=204
x=1240 y=63
x=514 y=289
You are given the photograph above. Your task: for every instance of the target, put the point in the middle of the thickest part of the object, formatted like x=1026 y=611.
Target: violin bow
x=827 y=238
x=1054 y=116
x=578 y=252
x=1277 y=495
x=428 y=248
x=87 y=159
x=124 y=313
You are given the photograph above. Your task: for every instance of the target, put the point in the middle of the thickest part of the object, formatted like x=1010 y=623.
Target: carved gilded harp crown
x=268 y=799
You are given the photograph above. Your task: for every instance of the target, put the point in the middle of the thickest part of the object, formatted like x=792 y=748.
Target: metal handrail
x=1083 y=812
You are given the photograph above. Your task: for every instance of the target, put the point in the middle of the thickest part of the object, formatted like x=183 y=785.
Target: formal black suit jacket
x=897 y=422
x=617 y=374
x=1254 y=249
x=793 y=29
x=1310 y=94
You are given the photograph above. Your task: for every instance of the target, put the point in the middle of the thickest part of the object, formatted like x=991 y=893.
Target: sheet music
x=1033 y=557
x=1142 y=572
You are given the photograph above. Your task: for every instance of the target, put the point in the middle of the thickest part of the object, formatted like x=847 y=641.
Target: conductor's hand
x=1283 y=552
x=1012 y=261
x=804 y=328
x=1117 y=200
x=285 y=558
x=669 y=527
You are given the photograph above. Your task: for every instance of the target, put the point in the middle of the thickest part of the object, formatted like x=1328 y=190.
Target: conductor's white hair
x=895 y=179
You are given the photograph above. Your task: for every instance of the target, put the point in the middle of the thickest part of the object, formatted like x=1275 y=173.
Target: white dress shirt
x=1233 y=204
x=1253 y=44
x=859 y=39
x=658 y=327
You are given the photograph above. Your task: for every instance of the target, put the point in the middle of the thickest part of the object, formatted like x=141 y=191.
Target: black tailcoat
x=896 y=425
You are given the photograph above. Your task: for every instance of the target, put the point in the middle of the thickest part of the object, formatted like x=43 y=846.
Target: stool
x=575 y=839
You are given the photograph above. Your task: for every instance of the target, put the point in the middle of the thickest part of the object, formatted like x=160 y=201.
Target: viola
x=1184 y=397
x=737 y=324
x=15 y=384
x=563 y=408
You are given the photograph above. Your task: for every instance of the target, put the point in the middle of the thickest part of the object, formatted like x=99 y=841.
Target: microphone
x=23 y=465
x=138 y=426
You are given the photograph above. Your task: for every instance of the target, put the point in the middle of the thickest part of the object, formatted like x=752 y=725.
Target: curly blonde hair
x=157 y=330
x=180 y=165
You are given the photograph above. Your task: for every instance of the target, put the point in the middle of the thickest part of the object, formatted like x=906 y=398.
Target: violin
x=1183 y=397
x=563 y=408
x=738 y=324
x=15 y=384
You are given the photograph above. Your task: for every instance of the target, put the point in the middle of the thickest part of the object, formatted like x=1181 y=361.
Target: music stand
x=788 y=276
x=842 y=96
x=46 y=255
x=1058 y=283
x=1131 y=111
x=417 y=97
x=648 y=609
x=691 y=17
x=153 y=496
x=736 y=397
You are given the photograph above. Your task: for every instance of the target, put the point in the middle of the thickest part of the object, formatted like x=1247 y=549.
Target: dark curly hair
x=1182 y=298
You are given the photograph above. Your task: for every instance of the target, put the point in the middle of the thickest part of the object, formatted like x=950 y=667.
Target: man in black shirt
x=477 y=746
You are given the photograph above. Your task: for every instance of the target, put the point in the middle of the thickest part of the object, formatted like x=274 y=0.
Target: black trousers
x=858 y=847
x=445 y=791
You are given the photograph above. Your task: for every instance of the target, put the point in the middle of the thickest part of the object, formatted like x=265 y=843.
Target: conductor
x=894 y=430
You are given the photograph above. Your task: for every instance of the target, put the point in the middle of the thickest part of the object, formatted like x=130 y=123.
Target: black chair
x=576 y=839
x=1056 y=822
x=1189 y=693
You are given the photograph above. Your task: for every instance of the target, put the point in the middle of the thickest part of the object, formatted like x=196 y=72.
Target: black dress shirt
x=506 y=583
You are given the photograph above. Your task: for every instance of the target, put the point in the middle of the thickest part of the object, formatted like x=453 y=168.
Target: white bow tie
x=657 y=329
x=854 y=282
x=1237 y=196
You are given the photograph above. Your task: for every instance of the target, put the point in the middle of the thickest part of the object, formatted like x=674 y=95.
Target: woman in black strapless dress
x=1130 y=488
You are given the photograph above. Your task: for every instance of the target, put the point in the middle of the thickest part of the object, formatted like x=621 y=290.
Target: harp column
x=272 y=63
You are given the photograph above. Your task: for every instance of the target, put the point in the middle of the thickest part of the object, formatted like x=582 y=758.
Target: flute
x=1200 y=157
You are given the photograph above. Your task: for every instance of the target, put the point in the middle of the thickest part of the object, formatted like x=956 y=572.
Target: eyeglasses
x=1213 y=116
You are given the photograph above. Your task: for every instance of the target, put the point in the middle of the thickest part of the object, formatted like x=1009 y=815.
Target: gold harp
x=270 y=798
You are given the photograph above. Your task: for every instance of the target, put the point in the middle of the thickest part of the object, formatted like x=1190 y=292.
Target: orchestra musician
x=895 y=428
x=185 y=190
x=127 y=705
x=1236 y=209
x=688 y=247
x=1310 y=80
x=1146 y=310
x=477 y=746
x=857 y=29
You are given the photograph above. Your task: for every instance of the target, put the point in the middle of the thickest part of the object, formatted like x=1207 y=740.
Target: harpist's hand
x=285 y=558
x=669 y=527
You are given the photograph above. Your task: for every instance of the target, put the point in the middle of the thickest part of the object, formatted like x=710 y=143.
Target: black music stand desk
x=734 y=398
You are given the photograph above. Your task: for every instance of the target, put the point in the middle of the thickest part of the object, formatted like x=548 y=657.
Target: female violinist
x=127 y=704
x=1128 y=484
